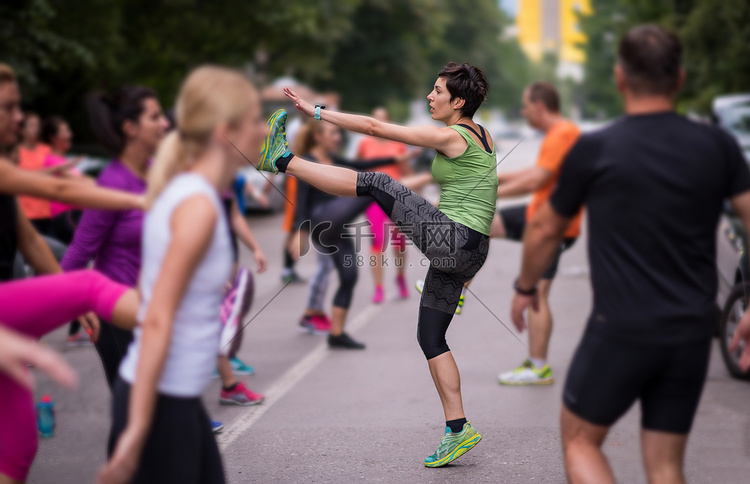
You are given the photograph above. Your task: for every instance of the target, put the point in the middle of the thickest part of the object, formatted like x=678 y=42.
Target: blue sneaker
x=240 y=368
x=217 y=427
x=275 y=145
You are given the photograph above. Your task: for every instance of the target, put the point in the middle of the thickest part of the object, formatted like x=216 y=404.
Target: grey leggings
x=456 y=253
x=319 y=283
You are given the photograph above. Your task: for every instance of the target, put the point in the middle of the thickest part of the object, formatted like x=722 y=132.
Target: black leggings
x=112 y=346
x=456 y=253
x=180 y=446
x=329 y=235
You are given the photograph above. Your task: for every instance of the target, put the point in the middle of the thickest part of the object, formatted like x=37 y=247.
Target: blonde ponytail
x=210 y=95
x=170 y=160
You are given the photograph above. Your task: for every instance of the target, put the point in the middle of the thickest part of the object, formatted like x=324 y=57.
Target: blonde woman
x=160 y=430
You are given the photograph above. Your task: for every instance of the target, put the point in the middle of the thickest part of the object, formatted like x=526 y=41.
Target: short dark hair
x=651 y=58
x=107 y=113
x=546 y=93
x=467 y=82
x=50 y=128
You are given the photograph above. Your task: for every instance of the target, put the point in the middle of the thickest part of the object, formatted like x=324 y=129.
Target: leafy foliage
x=715 y=36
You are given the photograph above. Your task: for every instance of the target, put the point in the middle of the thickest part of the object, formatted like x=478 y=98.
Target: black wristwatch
x=522 y=291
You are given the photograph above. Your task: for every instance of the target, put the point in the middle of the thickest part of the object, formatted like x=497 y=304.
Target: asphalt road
x=373 y=415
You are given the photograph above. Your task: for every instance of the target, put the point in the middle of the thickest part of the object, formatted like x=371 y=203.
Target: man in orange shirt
x=541 y=108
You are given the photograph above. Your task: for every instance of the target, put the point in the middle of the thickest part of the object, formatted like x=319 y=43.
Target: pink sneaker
x=378 y=297
x=320 y=324
x=241 y=395
x=403 y=291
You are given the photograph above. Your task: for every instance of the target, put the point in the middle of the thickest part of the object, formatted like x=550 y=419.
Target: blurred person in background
x=57 y=134
x=381 y=226
x=129 y=123
x=31 y=155
x=324 y=217
x=541 y=108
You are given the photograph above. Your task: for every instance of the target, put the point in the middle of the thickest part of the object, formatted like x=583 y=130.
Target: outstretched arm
x=15 y=181
x=445 y=140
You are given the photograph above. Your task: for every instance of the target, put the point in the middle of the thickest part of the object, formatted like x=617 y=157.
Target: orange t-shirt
x=370 y=148
x=557 y=142
x=33 y=160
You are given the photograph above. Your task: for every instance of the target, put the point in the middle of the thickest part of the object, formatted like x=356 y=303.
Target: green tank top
x=468 y=184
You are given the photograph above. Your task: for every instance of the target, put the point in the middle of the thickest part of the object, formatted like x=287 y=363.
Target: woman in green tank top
x=454 y=236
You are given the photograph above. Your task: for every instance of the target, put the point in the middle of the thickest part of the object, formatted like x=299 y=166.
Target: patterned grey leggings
x=456 y=253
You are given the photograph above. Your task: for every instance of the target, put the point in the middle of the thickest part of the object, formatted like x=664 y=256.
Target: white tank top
x=194 y=345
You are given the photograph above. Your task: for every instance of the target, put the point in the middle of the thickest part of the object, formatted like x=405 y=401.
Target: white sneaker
x=527 y=374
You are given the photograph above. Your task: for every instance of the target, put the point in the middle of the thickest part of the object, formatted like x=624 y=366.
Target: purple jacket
x=112 y=238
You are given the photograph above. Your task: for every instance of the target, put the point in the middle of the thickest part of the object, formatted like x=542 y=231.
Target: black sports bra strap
x=482 y=137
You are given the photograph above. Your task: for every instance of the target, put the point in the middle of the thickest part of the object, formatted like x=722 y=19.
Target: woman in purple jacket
x=130 y=124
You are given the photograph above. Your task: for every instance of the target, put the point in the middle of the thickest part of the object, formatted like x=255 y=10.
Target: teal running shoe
x=275 y=145
x=453 y=446
x=240 y=368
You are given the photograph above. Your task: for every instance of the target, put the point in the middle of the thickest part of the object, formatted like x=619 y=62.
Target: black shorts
x=607 y=375
x=514 y=222
x=180 y=446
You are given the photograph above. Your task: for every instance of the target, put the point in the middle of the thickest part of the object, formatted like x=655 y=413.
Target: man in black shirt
x=653 y=183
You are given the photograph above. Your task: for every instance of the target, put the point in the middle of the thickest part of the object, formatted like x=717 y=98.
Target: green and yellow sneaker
x=275 y=145
x=420 y=286
x=460 y=306
x=453 y=446
x=528 y=374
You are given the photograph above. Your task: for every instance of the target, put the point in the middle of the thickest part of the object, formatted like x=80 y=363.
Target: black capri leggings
x=180 y=446
x=456 y=253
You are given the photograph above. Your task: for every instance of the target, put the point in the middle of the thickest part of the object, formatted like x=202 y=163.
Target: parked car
x=275 y=193
x=733 y=114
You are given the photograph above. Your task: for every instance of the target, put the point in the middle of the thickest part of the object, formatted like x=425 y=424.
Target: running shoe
x=275 y=145
x=78 y=340
x=315 y=324
x=420 y=285
x=379 y=295
x=527 y=374
x=241 y=395
x=344 y=341
x=292 y=278
x=235 y=305
x=217 y=427
x=453 y=446
x=403 y=289
x=240 y=368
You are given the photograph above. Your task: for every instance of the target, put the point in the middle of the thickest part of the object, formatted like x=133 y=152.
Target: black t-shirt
x=653 y=186
x=8 y=235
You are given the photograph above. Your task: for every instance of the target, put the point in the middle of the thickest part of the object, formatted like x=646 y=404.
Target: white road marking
x=289 y=379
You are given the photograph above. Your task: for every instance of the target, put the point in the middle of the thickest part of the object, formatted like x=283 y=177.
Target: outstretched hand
x=299 y=103
x=16 y=351
x=742 y=334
